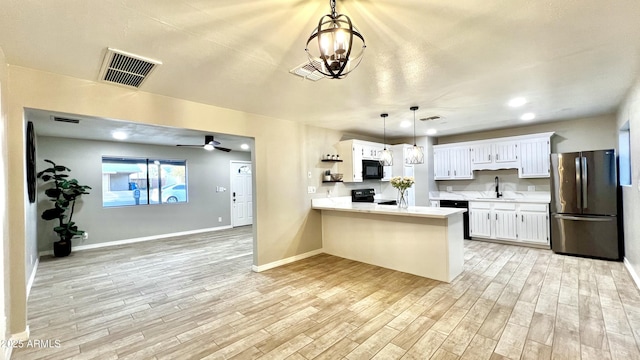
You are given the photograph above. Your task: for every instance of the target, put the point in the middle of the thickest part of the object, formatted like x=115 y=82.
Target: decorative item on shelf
x=63 y=192
x=414 y=154
x=337 y=177
x=327 y=175
x=402 y=183
x=386 y=159
x=336 y=36
x=328 y=157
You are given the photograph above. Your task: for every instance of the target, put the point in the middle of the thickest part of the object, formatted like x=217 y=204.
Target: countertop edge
x=394 y=211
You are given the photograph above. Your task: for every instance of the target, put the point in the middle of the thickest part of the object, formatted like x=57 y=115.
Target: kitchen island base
x=423 y=246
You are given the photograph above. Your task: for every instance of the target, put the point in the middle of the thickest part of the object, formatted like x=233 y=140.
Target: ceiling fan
x=209 y=144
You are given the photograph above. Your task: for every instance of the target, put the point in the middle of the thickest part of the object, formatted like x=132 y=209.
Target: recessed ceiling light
x=432 y=131
x=528 y=116
x=517 y=102
x=405 y=123
x=244 y=147
x=119 y=135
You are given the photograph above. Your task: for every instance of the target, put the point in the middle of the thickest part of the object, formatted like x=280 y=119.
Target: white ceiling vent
x=123 y=68
x=307 y=71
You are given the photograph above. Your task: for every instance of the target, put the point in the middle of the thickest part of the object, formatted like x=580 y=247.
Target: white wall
x=4 y=229
x=205 y=171
x=630 y=111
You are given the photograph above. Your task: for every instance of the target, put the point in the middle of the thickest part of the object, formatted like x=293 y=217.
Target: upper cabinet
x=534 y=158
x=352 y=152
x=494 y=155
x=527 y=153
x=452 y=162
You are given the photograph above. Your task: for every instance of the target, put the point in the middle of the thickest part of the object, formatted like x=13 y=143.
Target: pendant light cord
x=414 y=108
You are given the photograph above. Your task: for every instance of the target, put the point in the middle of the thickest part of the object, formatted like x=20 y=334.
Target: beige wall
x=284 y=152
x=630 y=111
x=4 y=221
x=592 y=133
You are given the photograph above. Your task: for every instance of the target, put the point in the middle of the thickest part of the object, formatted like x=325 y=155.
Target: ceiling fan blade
x=195 y=146
x=221 y=149
x=208 y=139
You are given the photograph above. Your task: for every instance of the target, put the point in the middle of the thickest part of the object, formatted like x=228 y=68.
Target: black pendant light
x=336 y=37
x=386 y=159
x=415 y=154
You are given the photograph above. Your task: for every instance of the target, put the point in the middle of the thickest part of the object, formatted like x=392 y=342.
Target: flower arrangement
x=402 y=183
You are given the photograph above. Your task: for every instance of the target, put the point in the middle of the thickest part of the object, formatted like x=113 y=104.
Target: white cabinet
x=351 y=166
x=520 y=222
x=494 y=155
x=352 y=152
x=504 y=221
x=480 y=219
x=534 y=158
x=533 y=223
x=452 y=162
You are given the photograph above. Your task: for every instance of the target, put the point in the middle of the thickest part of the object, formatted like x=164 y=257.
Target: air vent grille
x=65 y=120
x=122 y=68
x=307 y=71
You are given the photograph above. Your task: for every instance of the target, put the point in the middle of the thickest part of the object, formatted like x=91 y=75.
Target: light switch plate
x=311 y=189
x=531 y=188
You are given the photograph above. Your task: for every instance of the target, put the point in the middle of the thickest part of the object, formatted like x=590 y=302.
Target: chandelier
x=386 y=159
x=414 y=154
x=335 y=37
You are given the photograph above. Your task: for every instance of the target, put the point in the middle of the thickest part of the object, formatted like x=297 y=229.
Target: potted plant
x=63 y=193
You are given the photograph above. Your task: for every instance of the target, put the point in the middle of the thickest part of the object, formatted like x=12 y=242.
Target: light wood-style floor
x=195 y=297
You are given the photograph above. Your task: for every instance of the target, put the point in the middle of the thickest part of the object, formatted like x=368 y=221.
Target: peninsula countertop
x=341 y=204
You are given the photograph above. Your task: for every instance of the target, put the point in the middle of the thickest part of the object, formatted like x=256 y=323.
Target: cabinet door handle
x=488 y=218
x=454 y=173
x=521 y=218
x=489 y=157
x=448 y=172
x=497 y=157
x=496 y=217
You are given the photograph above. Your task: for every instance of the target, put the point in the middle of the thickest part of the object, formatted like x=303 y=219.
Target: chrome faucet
x=497 y=182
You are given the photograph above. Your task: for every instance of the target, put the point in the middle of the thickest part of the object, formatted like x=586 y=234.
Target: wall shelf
x=329 y=160
x=331 y=181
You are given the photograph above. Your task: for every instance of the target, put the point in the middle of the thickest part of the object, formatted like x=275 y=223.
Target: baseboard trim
x=140 y=239
x=288 y=260
x=32 y=277
x=21 y=336
x=632 y=272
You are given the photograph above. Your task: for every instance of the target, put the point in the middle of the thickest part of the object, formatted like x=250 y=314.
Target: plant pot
x=62 y=248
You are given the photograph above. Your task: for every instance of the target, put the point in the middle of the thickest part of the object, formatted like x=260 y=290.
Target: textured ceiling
x=462 y=60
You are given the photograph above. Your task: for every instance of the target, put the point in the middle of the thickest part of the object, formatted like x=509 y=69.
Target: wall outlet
x=219 y=218
x=220 y=189
x=531 y=188
x=85 y=235
x=449 y=188
x=311 y=189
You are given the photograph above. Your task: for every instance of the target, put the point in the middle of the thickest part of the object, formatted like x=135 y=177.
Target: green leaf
x=51 y=214
x=52 y=193
x=61 y=168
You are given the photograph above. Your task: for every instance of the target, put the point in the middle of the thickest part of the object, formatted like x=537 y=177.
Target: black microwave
x=372 y=169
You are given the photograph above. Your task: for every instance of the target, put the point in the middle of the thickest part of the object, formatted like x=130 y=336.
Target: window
x=135 y=181
x=624 y=144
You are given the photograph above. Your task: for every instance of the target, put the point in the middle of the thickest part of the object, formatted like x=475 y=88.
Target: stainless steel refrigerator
x=584 y=204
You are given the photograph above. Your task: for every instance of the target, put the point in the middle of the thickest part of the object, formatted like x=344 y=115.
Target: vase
x=402 y=199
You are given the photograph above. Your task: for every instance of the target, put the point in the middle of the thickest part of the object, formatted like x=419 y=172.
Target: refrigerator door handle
x=585 y=182
x=583 y=218
x=578 y=183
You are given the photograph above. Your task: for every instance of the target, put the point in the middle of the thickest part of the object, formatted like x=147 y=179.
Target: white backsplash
x=484 y=180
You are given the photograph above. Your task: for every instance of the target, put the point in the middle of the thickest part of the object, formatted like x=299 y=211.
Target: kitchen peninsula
x=423 y=241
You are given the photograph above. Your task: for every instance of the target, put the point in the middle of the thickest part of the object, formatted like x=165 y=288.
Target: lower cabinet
x=511 y=221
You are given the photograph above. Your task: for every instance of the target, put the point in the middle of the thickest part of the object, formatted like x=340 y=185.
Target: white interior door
x=241 y=194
